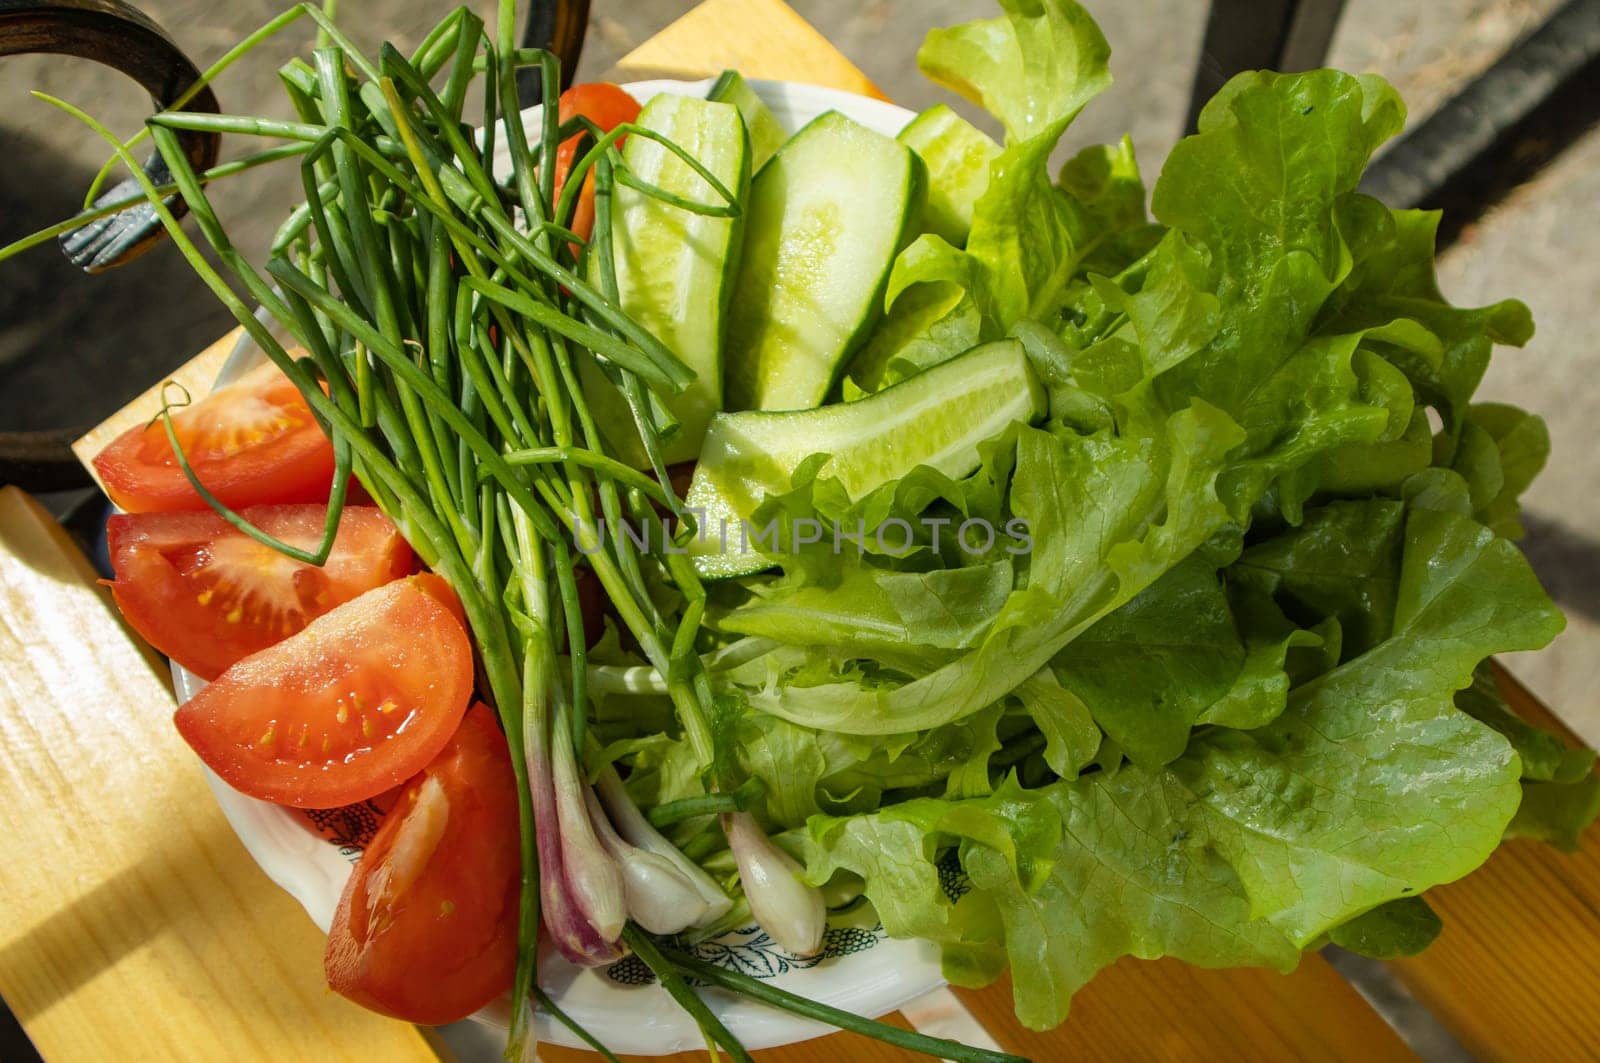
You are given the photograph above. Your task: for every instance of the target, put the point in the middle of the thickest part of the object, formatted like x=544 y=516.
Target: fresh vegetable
x=766 y=133
x=957 y=155
x=447 y=371
x=207 y=595
x=426 y=929
x=819 y=242
x=1199 y=543
x=252 y=442
x=675 y=269
x=605 y=105
x=794 y=915
x=357 y=702
x=935 y=421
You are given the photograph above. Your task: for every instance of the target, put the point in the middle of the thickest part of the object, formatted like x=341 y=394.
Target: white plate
x=861 y=969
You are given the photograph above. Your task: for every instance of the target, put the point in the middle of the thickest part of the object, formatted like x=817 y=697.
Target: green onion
x=767 y=993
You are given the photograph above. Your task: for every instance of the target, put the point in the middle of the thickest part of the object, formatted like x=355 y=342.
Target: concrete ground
x=72 y=348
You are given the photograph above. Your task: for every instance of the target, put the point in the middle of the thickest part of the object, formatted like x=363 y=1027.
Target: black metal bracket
x=119 y=36
x=557 y=26
x=1497 y=132
x=116 y=35
x=1260 y=35
x=1501 y=128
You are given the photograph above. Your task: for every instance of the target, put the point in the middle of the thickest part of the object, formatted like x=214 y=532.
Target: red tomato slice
x=206 y=594
x=251 y=443
x=358 y=702
x=608 y=107
x=426 y=929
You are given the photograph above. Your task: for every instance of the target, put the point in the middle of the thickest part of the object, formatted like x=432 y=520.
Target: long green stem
x=215 y=173
x=767 y=993
x=666 y=971
x=210 y=73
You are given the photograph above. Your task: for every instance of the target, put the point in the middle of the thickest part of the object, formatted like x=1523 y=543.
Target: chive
x=738 y=800
x=766 y=993
x=666 y=971
x=566 y=1020
x=600 y=342
x=201 y=122
x=593 y=460
x=248 y=44
x=215 y=173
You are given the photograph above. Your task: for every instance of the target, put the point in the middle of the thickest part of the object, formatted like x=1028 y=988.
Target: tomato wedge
x=251 y=443
x=608 y=107
x=206 y=594
x=426 y=928
x=357 y=702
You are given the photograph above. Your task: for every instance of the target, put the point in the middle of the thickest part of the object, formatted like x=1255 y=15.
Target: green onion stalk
x=435 y=314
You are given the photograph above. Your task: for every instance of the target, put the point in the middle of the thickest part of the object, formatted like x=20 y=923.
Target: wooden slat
x=1514 y=973
x=1170 y=1011
x=759 y=38
x=134 y=926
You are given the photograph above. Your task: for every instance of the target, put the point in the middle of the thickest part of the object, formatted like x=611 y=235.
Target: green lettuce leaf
x=1064 y=881
x=1392 y=279
x=1510 y=446
x=1149 y=670
x=1107 y=516
x=1544 y=756
x=1034 y=69
x=1031 y=238
x=1557 y=812
x=1372 y=784
x=1401 y=927
x=1342 y=562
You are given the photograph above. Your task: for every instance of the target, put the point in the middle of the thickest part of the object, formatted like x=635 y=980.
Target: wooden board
x=1164 y=1010
x=135 y=926
x=759 y=38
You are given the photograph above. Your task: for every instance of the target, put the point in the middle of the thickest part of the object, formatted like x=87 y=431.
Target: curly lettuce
x=1232 y=701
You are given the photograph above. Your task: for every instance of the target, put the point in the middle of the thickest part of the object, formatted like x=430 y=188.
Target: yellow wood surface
x=134 y=925
x=1518 y=958
x=759 y=38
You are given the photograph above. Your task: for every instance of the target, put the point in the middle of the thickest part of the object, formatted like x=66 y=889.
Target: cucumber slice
x=766 y=135
x=675 y=269
x=958 y=155
x=827 y=216
x=935 y=418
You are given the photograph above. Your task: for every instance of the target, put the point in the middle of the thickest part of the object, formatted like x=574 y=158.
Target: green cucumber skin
x=766 y=133
x=677 y=313
x=944 y=140
x=720 y=492
x=752 y=381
